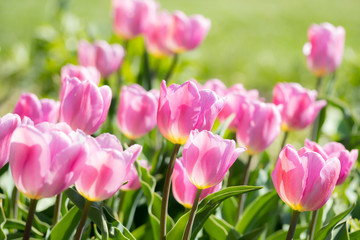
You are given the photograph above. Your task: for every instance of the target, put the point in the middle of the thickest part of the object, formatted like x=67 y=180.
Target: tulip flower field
x=120 y=143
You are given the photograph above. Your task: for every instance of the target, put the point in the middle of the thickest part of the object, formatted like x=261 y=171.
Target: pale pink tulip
x=44 y=110
x=183 y=190
x=137 y=111
x=106 y=167
x=84 y=105
x=80 y=72
x=44 y=161
x=8 y=124
x=303 y=179
x=208 y=157
x=298 y=105
x=258 y=126
x=324 y=51
x=133 y=178
x=336 y=150
x=105 y=57
x=184 y=108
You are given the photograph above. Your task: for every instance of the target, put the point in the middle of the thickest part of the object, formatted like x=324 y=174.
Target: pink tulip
x=8 y=124
x=80 y=72
x=131 y=17
x=106 y=167
x=105 y=57
x=336 y=150
x=184 y=108
x=208 y=157
x=137 y=111
x=44 y=110
x=133 y=178
x=183 y=190
x=187 y=32
x=44 y=161
x=303 y=179
x=258 y=126
x=84 y=105
x=299 y=107
x=324 y=51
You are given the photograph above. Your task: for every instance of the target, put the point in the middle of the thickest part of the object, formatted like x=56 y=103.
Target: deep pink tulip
x=184 y=108
x=336 y=150
x=105 y=57
x=299 y=107
x=137 y=111
x=183 y=190
x=258 y=126
x=44 y=160
x=303 y=179
x=131 y=17
x=84 y=105
x=133 y=178
x=8 y=124
x=324 y=51
x=44 y=110
x=208 y=157
x=187 y=32
x=106 y=167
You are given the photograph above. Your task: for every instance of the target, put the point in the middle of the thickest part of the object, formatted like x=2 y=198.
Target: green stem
x=166 y=192
x=104 y=227
x=330 y=84
x=312 y=225
x=30 y=219
x=80 y=228
x=192 y=215
x=286 y=134
x=245 y=181
x=147 y=70
x=315 y=128
x=14 y=202
x=172 y=67
x=293 y=223
x=57 y=208
x=318 y=85
x=121 y=202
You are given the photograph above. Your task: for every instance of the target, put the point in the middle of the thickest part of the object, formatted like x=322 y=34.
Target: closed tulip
x=184 y=108
x=105 y=57
x=106 y=167
x=80 y=72
x=133 y=178
x=44 y=110
x=303 y=179
x=44 y=160
x=84 y=105
x=299 y=107
x=131 y=17
x=324 y=51
x=137 y=111
x=336 y=150
x=183 y=190
x=258 y=126
x=208 y=157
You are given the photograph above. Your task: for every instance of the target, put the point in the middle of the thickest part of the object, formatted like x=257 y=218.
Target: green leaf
x=256 y=212
x=326 y=230
x=355 y=235
x=254 y=234
x=67 y=225
x=224 y=126
x=205 y=209
x=217 y=228
x=281 y=234
x=2 y=221
x=340 y=231
x=20 y=225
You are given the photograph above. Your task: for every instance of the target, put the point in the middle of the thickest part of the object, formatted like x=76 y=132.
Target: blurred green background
x=256 y=43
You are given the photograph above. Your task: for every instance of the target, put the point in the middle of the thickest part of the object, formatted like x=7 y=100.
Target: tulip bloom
x=106 y=167
x=299 y=107
x=131 y=17
x=184 y=108
x=303 y=179
x=324 y=51
x=208 y=157
x=84 y=105
x=258 y=126
x=44 y=110
x=80 y=72
x=105 y=57
x=44 y=161
x=183 y=190
x=336 y=150
x=137 y=111
x=133 y=178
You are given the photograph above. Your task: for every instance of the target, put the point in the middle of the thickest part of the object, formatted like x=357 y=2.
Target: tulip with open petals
x=137 y=111
x=299 y=107
x=303 y=179
x=324 y=51
x=184 y=108
x=106 y=167
x=337 y=150
x=208 y=157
